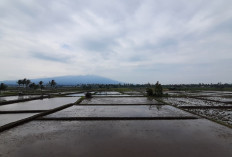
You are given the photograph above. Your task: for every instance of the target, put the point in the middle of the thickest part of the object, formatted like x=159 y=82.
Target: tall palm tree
x=41 y=85
x=52 y=83
x=19 y=82
x=24 y=81
x=27 y=83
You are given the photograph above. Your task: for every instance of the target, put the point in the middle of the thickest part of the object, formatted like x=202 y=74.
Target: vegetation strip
x=23 y=100
x=206 y=107
x=22 y=111
x=120 y=104
x=116 y=118
x=22 y=121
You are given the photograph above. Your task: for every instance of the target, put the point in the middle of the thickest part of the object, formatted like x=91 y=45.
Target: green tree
x=28 y=82
x=33 y=86
x=24 y=81
x=149 y=92
x=158 y=89
x=41 y=85
x=19 y=82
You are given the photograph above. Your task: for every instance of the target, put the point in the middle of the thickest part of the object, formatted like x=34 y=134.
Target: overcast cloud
x=136 y=41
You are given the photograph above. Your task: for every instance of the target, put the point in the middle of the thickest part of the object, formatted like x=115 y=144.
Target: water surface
x=121 y=111
x=166 y=138
x=124 y=100
x=42 y=104
x=8 y=118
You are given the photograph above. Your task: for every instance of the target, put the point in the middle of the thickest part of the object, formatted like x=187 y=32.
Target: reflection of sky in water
x=79 y=94
x=8 y=98
x=121 y=111
x=43 y=104
x=124 y=100
x=8 y=118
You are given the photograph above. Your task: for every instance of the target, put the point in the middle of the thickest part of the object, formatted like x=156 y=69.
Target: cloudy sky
x=137 y=41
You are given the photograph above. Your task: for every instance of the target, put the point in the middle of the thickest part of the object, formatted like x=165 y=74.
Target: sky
x=136 y=41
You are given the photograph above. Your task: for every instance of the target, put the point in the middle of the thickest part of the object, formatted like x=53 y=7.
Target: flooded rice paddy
x=218 y=108
x=121 y=111
x=77 y=95
x=9 y=98
x=44 y=104
x=133 y=138
x=221 y=115
x=125 y=100
x=176 y=138
x=9 y=118
x=108 y=93
x=192 y=102
x=221 y=99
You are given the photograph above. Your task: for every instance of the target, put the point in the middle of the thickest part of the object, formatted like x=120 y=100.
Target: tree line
x=25 y=83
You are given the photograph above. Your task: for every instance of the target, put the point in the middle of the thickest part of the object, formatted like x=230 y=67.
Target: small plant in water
x=88 y=95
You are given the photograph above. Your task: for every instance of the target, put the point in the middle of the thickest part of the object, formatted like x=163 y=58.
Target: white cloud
x=132 y=41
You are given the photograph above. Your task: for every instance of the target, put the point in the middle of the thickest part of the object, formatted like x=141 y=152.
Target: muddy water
x=43 y=104
x=121 y=111
x=125 y=100
x=176 y=138
x=8 y=118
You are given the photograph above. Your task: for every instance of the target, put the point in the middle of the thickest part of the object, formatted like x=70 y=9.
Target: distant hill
x=71 y=80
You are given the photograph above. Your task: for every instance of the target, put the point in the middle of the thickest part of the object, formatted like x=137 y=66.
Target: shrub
x=149 y=92
x=88 y=95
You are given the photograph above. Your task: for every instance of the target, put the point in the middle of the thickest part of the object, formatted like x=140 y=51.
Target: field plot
x=218 y=111
x=44 y=104
x=133 y=93
x=180 y=102
x=199 y=93
x=121 y=111
x=221 y=115
x=108 y=93
x=124 y=100
x=9 y=98
x=117 y=126
x=221 y=99
x=77 y=95
x=9 y=118
x=174 y=138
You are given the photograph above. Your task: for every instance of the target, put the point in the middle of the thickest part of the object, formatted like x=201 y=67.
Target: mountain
x=71 y=80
